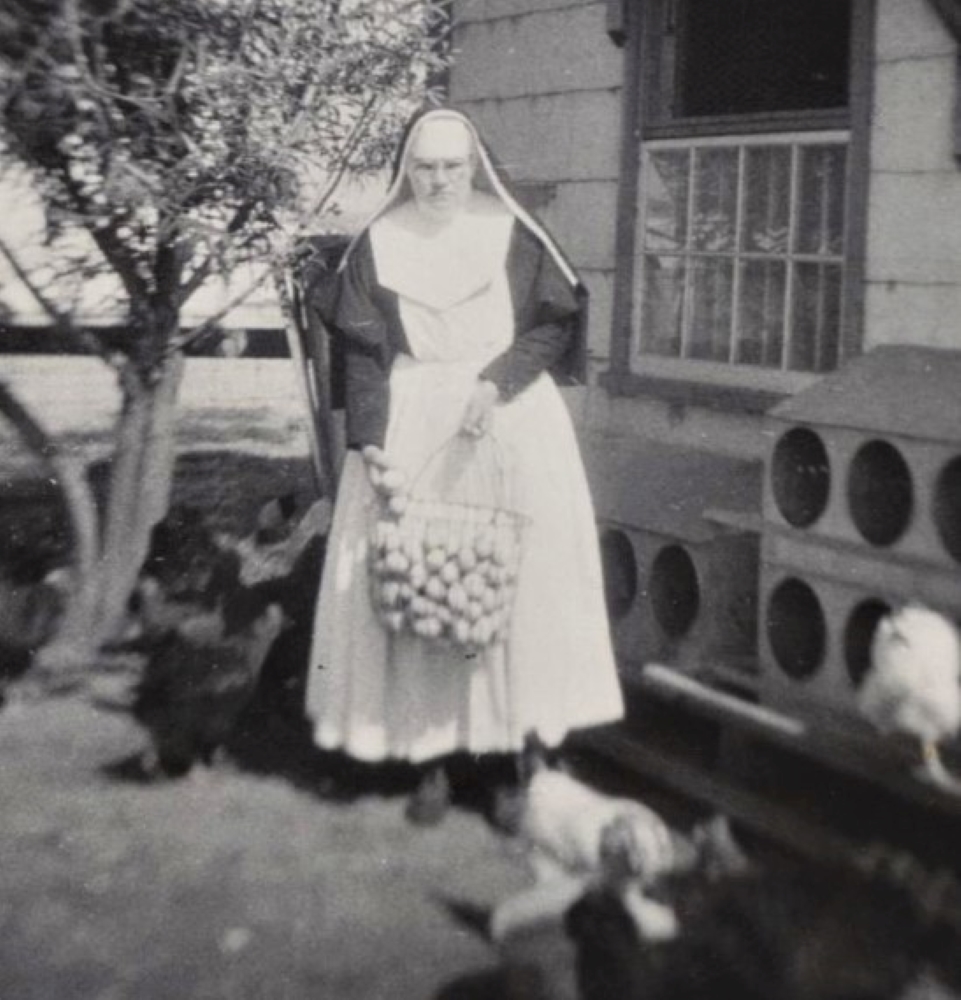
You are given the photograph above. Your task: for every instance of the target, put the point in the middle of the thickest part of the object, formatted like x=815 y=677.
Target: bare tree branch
x=354 y=140
x=61 y=321
x=202 y=272
x=186 y=339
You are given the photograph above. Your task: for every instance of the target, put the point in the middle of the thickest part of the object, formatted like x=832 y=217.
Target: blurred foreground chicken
x=197 y=682
x=581 y=839
x=208 y=621
x=788 y=933
x=913 y=688
x=29 y=612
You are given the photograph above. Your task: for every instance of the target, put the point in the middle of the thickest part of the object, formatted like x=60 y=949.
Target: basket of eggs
x=443 y=563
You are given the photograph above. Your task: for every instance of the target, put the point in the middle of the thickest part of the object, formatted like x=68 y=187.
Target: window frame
x=723 y=385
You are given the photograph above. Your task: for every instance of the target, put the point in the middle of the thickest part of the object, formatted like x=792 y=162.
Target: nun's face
x=440 y=168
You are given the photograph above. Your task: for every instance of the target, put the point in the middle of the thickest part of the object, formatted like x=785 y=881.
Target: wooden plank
x=626 y=232
x=950 y=11
x=670 y=684
x=782 y=825
x=833 y=748
x=862 y=69
x=956 y=116
x=617 y=21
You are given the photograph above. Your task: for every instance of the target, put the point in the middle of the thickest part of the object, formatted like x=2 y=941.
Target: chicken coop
x=680 y=572
x=862 y=513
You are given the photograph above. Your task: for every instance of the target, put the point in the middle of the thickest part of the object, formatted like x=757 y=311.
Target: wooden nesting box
x=681 y=589
x=872 y=456
x=862 y=512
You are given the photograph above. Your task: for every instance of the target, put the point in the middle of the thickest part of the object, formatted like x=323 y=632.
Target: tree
x=183 y=139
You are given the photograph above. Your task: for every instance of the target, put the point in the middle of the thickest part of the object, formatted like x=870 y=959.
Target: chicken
x=207 y=611
x=913 y=688
x=197 y=681
x=271 y=554
x=791 y=933
x=29 y=614
x=574 y=835
x=564 y=821
x=286 y=571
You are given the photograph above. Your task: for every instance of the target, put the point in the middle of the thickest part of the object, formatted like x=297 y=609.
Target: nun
x=459 y=314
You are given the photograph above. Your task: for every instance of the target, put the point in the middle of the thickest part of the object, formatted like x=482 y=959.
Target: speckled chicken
x=576 y=836
x=913 y=688
x=197 y=681
x=209 y=609
x=785 y=933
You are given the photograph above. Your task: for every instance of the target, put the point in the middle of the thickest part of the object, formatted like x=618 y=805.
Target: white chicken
x=913 y=688
x=572 y=832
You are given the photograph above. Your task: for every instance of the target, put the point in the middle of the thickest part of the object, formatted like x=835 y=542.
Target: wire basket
x=445 y=570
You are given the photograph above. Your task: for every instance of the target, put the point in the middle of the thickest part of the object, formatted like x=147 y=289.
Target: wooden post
x=309 y=339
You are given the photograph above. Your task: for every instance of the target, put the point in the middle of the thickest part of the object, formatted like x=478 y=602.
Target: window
x=746 y=252
x=742 y=251
x=738 y=57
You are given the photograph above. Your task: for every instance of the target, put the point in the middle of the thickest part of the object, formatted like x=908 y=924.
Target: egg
x=481 y=632
x=436 y=536
x=393 y=480
x=456 y=597
x=436 y=557
x=375 y=456
x=417 y=575
x=421 y=607
x=394 y=621
x=397 y=562
x=397 y=504
x=484 y=543
x=390 y=593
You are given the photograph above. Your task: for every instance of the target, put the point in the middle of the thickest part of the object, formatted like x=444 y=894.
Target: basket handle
x=501 y=485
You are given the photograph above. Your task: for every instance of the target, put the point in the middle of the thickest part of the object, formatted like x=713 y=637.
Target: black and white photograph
x=480 y=500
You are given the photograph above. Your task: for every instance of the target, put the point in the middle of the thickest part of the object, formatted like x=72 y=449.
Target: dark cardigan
x=548 y=331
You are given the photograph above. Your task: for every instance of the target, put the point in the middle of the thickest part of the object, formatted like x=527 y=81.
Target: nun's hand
x=478 y=416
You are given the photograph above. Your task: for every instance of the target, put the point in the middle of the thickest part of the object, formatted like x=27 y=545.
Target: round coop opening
x=947 y=507
x=800 y=476
x=796 y=629
x=619 y=565
x=675 y=591
x=858 y=636
x=880 y=493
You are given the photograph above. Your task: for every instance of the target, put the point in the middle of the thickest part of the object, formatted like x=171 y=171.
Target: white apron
x=377 y=695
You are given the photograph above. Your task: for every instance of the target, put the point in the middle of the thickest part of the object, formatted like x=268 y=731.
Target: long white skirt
x=378 y=695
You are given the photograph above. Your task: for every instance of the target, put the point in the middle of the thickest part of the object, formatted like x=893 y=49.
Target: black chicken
x=210 y=613
x=778 y=935
x=199 y=678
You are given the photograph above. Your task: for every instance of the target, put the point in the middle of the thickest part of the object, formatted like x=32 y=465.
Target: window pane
x=715 y=199
x=663 y=308
x=821 y=200
x=767 y=197
x=761 y=313
x=710 y=334
x=666 y=184
x=749 y=56
x=817 y=317
x=743 y=245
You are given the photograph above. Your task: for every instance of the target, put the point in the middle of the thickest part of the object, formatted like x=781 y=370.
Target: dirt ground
x=225 y=886
x=232 y=884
